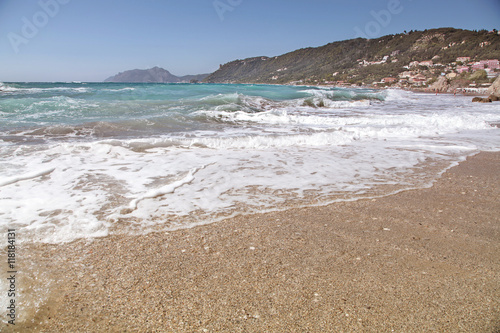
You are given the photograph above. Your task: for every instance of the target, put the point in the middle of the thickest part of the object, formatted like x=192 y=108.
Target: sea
x=87 y=160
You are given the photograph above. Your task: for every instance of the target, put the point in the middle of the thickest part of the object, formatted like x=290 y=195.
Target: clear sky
x=90 y=40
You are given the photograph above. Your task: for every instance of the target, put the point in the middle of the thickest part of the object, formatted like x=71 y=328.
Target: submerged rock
x=481 y=100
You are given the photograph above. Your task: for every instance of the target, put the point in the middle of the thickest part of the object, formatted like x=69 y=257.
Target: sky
x=90 y=40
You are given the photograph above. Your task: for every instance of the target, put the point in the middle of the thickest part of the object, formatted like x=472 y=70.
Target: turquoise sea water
x=91 y=110
x=84 y=160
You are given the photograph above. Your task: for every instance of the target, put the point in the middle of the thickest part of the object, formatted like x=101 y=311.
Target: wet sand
x=418 y=261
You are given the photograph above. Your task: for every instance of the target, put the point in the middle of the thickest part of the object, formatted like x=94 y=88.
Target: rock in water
x=481 y=100
x=441 y=85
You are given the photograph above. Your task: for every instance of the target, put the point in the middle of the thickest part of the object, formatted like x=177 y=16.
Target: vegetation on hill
x=363 y=61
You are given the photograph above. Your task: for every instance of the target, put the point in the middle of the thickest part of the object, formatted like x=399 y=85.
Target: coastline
x=460 y=91
x=415 y=261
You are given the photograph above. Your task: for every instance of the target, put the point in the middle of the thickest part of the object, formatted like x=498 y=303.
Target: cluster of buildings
x=414 y=75
x=462 y=64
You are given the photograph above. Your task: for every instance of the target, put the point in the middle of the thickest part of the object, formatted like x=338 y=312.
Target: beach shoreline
x=419 y=260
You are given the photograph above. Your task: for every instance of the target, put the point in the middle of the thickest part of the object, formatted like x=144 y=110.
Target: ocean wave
x=11 y=89
x=316 y=131
x=402 y=124
x=120 y=89
x=255 y=104
x=87 y=132
x=314 y=139
x=391 y=95
x=345 y=94
x=235 y=102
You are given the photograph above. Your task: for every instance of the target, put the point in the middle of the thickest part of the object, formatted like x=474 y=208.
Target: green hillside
x=341 y=60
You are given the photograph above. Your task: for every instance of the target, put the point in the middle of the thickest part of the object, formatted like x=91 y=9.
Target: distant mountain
x=362 y=61
x=153 y=75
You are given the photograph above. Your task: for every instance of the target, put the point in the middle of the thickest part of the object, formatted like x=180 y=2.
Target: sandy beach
x=418 y=261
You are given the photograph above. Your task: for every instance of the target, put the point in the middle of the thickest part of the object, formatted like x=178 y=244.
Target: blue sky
x=90 y=40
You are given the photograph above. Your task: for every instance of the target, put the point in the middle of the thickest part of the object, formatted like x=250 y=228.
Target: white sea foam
x=364 y=124
x=120 y=89
x=167 y=189
x=398 y=95
x=31 y=175
x=253 y=154
x=6 y=88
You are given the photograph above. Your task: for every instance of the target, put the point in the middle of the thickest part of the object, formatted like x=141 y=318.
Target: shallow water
x=84 y=160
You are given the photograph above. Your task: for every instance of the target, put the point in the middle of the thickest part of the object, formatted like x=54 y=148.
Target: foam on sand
x=31 y=175
x=170 y=188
